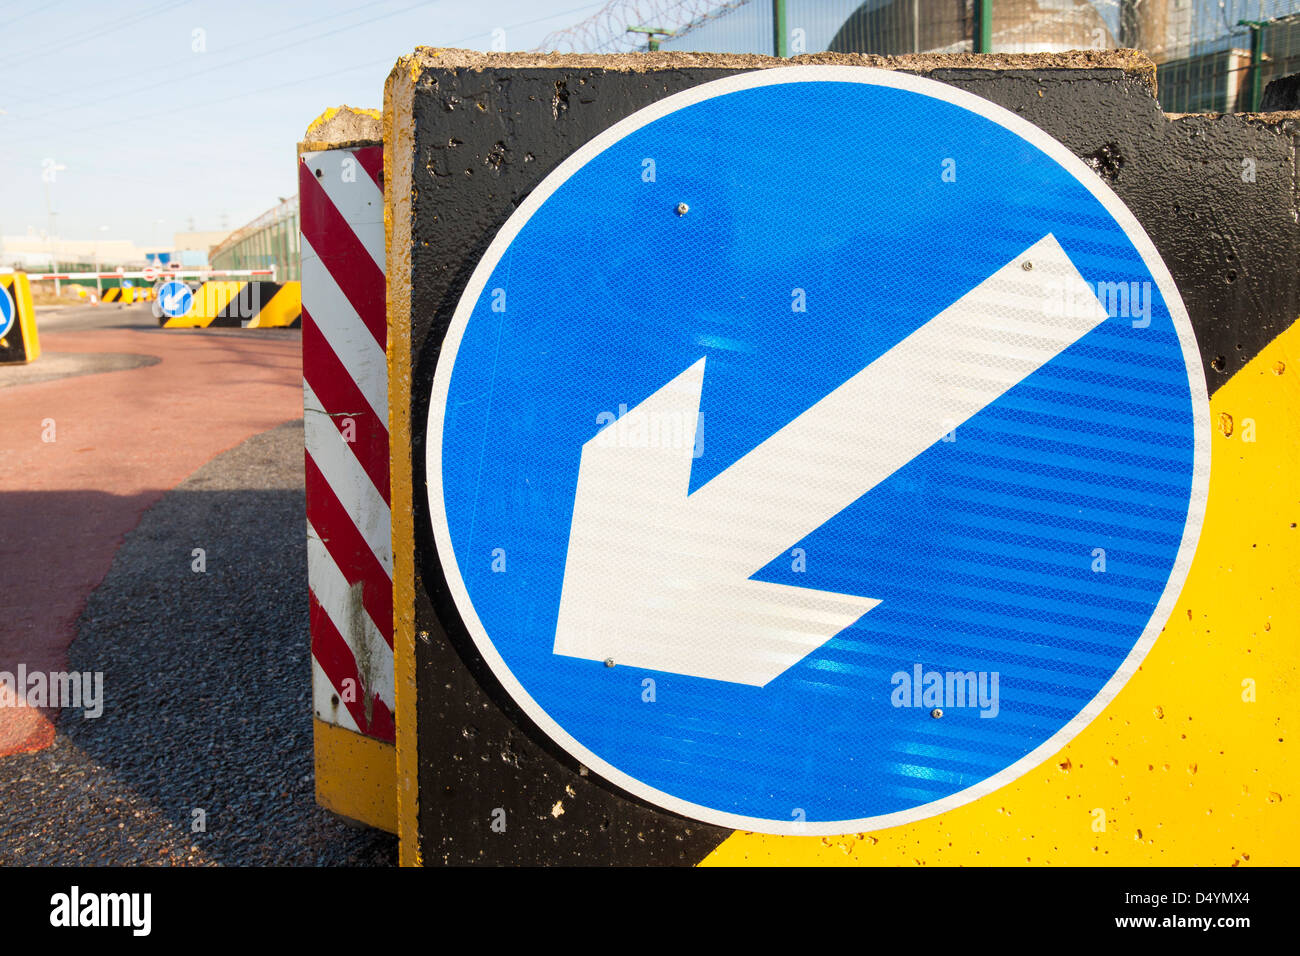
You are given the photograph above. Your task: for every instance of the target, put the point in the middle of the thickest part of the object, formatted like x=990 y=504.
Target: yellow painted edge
x=281 y=309
x=311 y=144
x=27 y=316
x=399 y=147
x=355 y=775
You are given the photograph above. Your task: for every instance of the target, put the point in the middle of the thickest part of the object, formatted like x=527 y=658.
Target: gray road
x=80 y=318
x=207 y=687
x=54 y=364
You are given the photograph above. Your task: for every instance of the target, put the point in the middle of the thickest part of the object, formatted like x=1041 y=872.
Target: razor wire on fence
x=1211 y=55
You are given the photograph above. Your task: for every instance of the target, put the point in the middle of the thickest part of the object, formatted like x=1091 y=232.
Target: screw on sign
x=866 y=590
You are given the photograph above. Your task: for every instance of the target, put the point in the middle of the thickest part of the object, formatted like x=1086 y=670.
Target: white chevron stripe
x=321 y=692
x=343 y=605
x=321 y=439
x=354 y=194
x=348 y=480
x=345 y=333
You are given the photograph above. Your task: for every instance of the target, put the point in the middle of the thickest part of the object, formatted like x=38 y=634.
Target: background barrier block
x=19 y=343
x=235 y=304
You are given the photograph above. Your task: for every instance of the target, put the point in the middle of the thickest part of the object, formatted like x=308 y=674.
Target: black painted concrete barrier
x=468 y=135
x=19 y=342
x=1282 y=94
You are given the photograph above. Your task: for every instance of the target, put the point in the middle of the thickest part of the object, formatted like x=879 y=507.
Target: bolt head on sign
x=833 y=455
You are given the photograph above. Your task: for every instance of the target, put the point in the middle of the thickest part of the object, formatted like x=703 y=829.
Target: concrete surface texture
x=1282 y=94
x=83 y=457
x=201 y=753
x=341 y=127
x=56 y=365
x=444 y=58
x=206 y=692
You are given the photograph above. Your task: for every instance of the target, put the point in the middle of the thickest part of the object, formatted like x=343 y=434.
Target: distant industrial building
x=269 y=240
x=34 y=253
x=191 y=249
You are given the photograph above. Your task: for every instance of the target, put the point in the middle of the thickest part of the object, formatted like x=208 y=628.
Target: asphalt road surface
x=203 y=752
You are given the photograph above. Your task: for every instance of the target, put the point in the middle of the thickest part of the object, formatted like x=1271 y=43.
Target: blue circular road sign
x=175 y=299
x=8 y=312
x=817 y=450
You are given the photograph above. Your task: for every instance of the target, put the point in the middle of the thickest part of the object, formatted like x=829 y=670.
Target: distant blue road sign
x=8 y=312
x=817 y=450
x=175 y=299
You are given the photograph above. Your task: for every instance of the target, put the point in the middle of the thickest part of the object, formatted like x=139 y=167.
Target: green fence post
x=1255 y=91
x=982 y=41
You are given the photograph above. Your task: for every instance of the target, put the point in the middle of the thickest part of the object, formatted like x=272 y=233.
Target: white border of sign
x=804 y=74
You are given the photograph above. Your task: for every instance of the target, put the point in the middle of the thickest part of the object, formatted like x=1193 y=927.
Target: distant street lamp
x=48 y=170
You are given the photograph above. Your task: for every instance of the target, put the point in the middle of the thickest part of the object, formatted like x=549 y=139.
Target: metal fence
x=269 y=240
x=1229 y=74
x=1211 y=55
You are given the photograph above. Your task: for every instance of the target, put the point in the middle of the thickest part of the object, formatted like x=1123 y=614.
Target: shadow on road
x=207 y=690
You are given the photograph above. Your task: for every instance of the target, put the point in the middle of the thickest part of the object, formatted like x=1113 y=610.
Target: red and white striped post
x=345 y=413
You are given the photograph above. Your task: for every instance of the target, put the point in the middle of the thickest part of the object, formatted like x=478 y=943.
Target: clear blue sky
x=150 y=129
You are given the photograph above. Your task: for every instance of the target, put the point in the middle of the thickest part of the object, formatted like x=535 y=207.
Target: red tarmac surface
x=122 y=440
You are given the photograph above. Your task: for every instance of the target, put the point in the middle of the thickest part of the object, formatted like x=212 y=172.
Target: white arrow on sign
x=659 y=578
x=173 y=302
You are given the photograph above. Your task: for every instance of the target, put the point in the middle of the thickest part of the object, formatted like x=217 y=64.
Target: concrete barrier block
x=468 y=136
x=235 y=304
x=19 y=341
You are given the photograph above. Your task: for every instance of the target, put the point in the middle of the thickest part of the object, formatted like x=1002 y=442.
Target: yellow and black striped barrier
x=250 y=305
x=125 y=295
x=18 y=340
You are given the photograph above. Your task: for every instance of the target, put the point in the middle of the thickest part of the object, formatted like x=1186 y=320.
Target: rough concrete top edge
x=343 y=126
x=1272 y=118
x=1130 y=61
